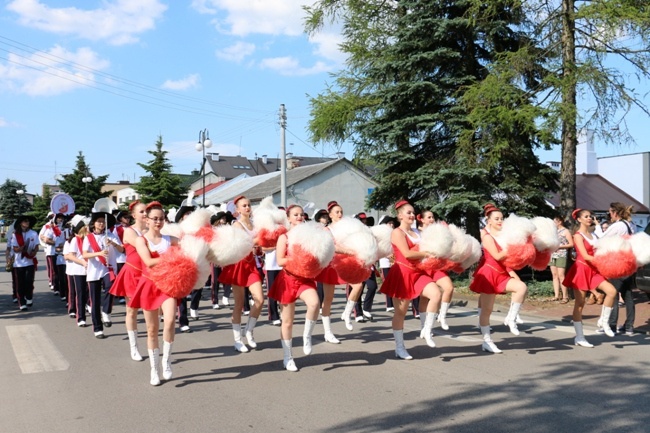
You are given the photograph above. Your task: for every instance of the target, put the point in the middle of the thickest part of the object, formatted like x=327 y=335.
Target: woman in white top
x=76 y=271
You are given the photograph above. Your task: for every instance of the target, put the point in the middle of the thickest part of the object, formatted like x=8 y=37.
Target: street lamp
x=204 y=143
x=86 y=180
x=20 y=193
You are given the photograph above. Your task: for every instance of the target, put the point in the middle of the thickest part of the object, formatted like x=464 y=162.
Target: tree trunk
x=569 y=129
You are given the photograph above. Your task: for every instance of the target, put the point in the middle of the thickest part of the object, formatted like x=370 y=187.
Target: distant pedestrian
x=24 y=243
x=558 y=262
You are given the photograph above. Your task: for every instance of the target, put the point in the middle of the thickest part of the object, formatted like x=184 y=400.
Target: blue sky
x=107 y=77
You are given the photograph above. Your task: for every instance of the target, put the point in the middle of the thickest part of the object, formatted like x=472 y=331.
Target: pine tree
x=11 y=203
x=84 y=194
x=160 y=184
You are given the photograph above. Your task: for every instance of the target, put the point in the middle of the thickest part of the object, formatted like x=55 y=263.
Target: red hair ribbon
x=331 y=204
x=575 y=213
x=236 y=199
x=400 y=203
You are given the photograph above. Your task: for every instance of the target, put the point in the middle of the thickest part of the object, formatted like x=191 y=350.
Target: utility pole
x=283 y=157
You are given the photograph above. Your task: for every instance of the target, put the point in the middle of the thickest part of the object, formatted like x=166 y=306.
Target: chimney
x=340 y=155
x=265 y=159
x=215 y=156
x=586 y=159
x=289 y=155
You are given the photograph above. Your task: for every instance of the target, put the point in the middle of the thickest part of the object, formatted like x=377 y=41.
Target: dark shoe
x=100 y=335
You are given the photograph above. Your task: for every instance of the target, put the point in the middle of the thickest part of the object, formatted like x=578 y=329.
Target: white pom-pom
x=515 y=231
x=462 y=246
x=476 y=252
x=195 y=220
x=611 y=244
x=382 y=233
x=314 y=239
x=230 y=245
x=640 y=243
x=172 y=229
x=437 y=240
x=197 y=250
x=353 y=236
x=545 y=236
x=268 y=216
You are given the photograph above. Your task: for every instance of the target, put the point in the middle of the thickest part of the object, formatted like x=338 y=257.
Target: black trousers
x=216 y=271
x=61 y=281
x=77 y=296
x=389 y=300
x=274 y=311
x=95 y=288
x=24 y=283
x=624 y=286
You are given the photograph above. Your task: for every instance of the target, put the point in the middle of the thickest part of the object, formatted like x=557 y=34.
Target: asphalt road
x=68 y=381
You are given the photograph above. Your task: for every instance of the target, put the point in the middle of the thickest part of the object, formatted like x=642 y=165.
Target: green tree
x=13 y=204
x=84 y=194
x=443 y=127
x=42 y=206
x=598 y=53
x=160 y=184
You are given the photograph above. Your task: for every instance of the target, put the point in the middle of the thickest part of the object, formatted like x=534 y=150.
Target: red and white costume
x=243 y=273
x=147 y=296
x=582 y=275
x=405 y=280
x=126 y=281
x=491 y=276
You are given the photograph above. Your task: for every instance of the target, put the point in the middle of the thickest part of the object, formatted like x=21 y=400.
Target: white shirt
x=120 y=257
x=619 y=228
x=31 y=238
x=48 y=233
x=73 y=268
x=96 y=270
x=271 y=262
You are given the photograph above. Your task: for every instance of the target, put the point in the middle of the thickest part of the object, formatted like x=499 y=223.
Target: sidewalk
x=551 y=310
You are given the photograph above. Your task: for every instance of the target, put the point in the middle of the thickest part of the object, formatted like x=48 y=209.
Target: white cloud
x=327 y=46
x=117 y=22
x=51 y=73
x=270 y=17
x=182 y=84
x=236 y=52
x=290 y=66
x=3 y=123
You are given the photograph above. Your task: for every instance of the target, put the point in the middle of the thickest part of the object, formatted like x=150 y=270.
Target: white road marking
x=34 y=350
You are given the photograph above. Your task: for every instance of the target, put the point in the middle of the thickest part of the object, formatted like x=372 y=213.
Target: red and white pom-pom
x=640 y=243
x=269 y=222
x=545 y=236
x=438 y=241
x=354 y=237
x=475 y=255
x=310 y=249
x=516 y=239
x=230 y=245
x=542 y=259
x=614 y=257
x=197 y=249
x=175 y=274
x=195 y=221
x=462 y=246
x=382 y=233
x=172 y=229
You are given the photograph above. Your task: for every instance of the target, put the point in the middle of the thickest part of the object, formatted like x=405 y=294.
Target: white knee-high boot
x=347 y=313
x=580 y=339
x=428 y=324
x=133 y=344
x=488 y=345
x=327 y=327
x=166 y=360
x=603 y=322
x=236 y=331
x=511 y=321
x=423 y=321
x=400 y=349
x=153 y=361
x=306 y=336
x=250 y=325
x=288 y=361
x=442 y=317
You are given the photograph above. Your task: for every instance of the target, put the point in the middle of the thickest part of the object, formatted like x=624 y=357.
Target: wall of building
x=629 y=173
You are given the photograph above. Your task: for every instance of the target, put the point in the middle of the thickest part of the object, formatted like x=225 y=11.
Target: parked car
x=643 y=274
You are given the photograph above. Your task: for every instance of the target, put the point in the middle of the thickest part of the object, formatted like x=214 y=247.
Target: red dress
x=583 y=276
x=288 y=287
x=491 y=276
x=404 y=280
x=127 y=280
x=329 y=276
x=243 y=273
x=147 y=296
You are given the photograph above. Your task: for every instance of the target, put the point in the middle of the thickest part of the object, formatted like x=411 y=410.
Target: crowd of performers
x=155 y=266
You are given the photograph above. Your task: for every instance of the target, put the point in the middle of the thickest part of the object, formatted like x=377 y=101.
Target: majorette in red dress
x=405 y=280
x=583 y=276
